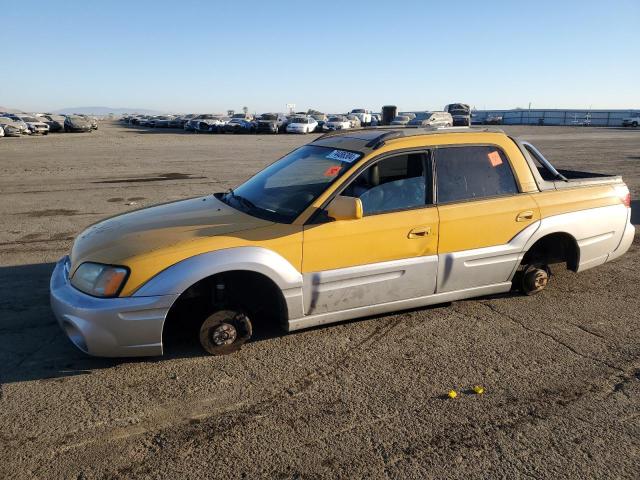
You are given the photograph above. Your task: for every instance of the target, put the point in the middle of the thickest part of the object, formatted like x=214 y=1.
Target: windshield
x=269 y=117
x=401 y=118
x=337 y=119
x=357 y=110
x=29 y=119
x=299 y=120
x=284 y=189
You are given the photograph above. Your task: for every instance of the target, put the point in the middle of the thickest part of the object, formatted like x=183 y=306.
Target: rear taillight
x=625 y=196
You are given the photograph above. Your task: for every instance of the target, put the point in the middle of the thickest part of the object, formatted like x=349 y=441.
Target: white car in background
x=34 y=124
x=337 y=122
x=632 y=121
x=302 y=125
x=401 y=120
x=363 y=115
x=1 y=131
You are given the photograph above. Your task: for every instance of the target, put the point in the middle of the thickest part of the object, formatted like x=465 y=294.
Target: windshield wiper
x=245 y=202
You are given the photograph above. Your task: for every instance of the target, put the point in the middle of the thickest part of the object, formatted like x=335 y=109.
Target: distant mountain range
x=106 y=111
x=100 y=111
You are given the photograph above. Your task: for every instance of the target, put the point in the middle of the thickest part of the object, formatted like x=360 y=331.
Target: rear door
x=483 y=216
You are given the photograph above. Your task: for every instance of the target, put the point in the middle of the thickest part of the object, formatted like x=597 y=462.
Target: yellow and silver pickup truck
x=352 y=224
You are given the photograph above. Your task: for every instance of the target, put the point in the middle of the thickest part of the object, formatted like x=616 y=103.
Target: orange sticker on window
x=332 y=171
x=495 y=159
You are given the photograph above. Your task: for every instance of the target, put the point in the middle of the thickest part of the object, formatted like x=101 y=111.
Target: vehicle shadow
x=34 y=347
x=157 y=131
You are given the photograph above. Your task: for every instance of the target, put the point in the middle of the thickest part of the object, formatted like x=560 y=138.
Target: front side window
x=284 y=189
x=474 y=172
x=394 y=183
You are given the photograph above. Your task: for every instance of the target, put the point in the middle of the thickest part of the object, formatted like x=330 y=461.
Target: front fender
x=177 y=278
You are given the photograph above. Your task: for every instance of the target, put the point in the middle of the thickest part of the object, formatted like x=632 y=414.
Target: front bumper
x=108 y=327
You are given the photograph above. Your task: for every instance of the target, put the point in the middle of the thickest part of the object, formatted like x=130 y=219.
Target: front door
x=390 y=254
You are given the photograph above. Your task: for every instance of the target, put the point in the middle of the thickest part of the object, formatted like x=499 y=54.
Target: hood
x=145 y=231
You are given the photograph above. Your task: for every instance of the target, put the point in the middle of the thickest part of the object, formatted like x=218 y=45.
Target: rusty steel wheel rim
x=224 y=334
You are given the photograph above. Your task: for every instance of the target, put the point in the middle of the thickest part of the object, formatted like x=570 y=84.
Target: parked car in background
x=493 y=120
x=243 y=116
x=76 y=123
x=400 y=120
x=180 y=121
x=363 y=115
x=431 y=119
x=161 y=121
x=55 y=122
x=270 y=123
x=13 y=127
x=203 y=123
x=238 y=125
x=321 y=118
x=632 y=121
x=24 y=129
x=93 y=121
x=354 y=120
x=302 y=125
x=376 y=119
x=337 y=122
x=34 y=124
x=1 y=131
x=460 y=112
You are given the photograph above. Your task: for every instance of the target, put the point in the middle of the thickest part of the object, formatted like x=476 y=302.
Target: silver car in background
x=431 y=119
x=11 y=127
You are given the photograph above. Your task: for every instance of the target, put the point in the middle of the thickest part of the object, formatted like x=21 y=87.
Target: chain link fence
x=594 y=118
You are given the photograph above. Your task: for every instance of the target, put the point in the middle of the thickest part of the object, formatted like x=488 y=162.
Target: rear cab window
x=472 y=172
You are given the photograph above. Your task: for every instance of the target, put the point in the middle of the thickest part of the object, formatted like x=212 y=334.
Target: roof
x=372 y=138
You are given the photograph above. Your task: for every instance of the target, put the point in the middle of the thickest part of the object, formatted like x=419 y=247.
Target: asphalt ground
x=361 y=399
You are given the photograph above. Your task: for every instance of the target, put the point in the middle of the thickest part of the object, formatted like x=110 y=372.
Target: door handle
x=524 y=216
x=419 y=232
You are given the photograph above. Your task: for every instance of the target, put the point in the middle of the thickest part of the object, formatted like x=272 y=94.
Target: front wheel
x=225 y=331
x=534 y=279
x=634 y=124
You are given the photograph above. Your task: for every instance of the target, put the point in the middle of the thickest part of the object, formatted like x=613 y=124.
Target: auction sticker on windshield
x=343 y=156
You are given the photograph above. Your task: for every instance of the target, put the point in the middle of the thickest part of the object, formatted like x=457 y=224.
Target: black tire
x=534 y=279
x=225 y=331
x=634 y=124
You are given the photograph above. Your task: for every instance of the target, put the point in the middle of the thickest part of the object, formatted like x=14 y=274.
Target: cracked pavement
x=362 y=399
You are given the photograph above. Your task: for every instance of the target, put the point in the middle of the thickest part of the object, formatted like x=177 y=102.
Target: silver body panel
x=110 y=327
x=364 y=285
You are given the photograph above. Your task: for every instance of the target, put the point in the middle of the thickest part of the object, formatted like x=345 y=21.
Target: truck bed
x=580 y=178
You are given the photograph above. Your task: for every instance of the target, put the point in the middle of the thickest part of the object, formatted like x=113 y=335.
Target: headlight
x=99 y=280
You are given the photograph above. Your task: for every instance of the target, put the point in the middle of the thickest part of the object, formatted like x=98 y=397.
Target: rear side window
x=467 y=173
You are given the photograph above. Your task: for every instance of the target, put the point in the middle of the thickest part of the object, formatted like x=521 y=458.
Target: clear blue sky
x=212 y=55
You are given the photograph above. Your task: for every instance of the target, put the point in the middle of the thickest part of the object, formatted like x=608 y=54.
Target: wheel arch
x=257 y=261
x=554 y=247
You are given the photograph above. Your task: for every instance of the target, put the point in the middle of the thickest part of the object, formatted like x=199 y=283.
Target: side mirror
x=345 y=208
